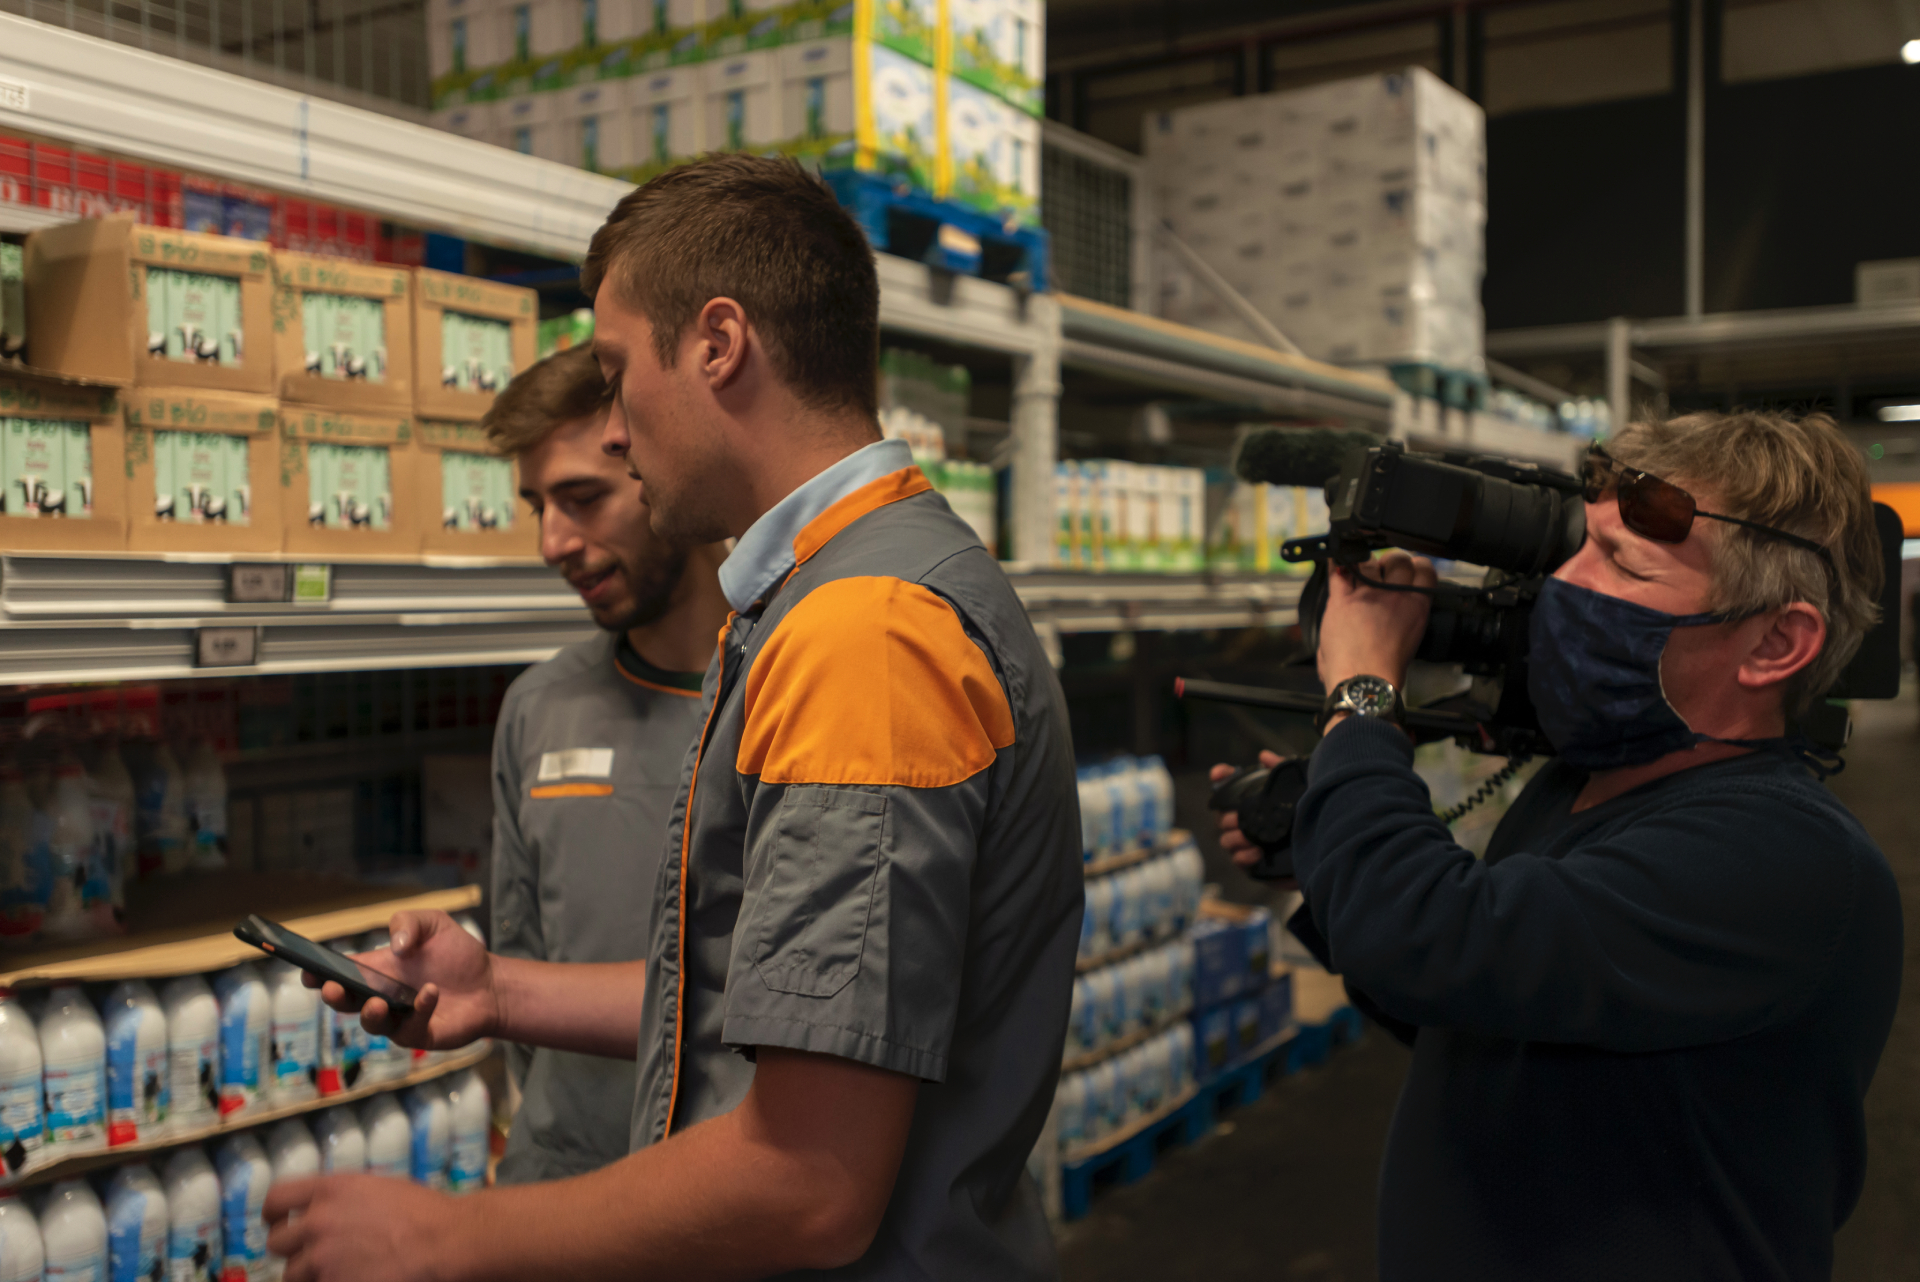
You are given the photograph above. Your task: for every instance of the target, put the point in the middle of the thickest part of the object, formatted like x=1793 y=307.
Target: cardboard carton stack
x=1113 y=515
x=271 y=402
x=1352 y=215
x=942 y=94
x=1241 y=999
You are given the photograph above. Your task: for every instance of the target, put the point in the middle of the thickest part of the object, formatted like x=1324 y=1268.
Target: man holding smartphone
x=587 y=752
x=856 y=989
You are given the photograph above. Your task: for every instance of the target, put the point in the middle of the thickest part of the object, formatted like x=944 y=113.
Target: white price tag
x=259 y=584
x=13 y=95
x=226 y=647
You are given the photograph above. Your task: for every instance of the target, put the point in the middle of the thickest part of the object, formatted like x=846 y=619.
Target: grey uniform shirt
x=586 y=759
x=875 y=855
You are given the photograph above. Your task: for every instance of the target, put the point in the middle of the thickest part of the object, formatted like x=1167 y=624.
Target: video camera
x=1518 y=521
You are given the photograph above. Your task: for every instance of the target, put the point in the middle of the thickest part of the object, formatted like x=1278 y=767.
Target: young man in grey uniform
x=588 y=748
x=850 y=1018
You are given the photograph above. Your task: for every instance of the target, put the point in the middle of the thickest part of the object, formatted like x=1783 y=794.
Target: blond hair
x=564 y=388
x=1797 y=474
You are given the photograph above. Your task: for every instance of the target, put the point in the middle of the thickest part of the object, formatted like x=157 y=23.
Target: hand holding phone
x=449 y=998
x=363 y=982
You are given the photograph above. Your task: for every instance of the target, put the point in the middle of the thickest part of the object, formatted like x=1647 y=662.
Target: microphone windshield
x=1297 y=456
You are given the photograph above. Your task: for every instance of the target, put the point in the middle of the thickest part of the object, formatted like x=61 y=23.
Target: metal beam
x=1785 y=327
x=1696 y=229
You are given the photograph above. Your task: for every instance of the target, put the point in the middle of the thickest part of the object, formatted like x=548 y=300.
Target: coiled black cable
x=1488 y=788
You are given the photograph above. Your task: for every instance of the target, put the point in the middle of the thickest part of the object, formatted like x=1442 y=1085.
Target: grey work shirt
x=586 y=758
x=875 y=854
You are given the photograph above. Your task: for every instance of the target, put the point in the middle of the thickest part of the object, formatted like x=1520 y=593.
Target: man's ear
x=1792 y=639
x=721 y=339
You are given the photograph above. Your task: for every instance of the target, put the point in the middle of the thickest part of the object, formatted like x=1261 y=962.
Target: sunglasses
x=1662 y=511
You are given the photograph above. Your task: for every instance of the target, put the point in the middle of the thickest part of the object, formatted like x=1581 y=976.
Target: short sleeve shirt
x=875 y=855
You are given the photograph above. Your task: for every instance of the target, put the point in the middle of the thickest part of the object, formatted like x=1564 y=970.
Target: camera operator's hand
x=1370 y=632
x=1232 y=840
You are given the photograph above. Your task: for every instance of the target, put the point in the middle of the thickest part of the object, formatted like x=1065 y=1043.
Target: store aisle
x=1285 y=1193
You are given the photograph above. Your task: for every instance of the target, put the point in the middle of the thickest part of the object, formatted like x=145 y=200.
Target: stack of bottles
x=971 y=489
x=77 y=826
x=144 y=1065
x=197 y=1218
x=1114 y=515
x=1125 y=804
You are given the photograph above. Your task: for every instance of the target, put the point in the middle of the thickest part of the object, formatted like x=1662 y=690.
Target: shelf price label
x=226 y=647
x=257 y=584
x=312 y=584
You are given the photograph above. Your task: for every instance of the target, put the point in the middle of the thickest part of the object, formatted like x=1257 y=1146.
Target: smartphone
x=362 y=981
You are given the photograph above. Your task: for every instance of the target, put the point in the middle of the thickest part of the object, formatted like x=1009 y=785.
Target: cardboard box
x=595 y=126
x=112 y=300
x=742 y=102
x=471 y=495
x=1219 y=961
x=349 y=484
x=61 y=441
x=343 y=333
x=1276 y=1004
x=203 y=471
x=470 y=338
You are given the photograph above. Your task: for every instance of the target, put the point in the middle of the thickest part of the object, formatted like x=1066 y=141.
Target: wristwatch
x=1363 y=696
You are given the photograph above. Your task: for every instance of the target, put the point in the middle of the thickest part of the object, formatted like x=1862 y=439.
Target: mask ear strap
x=1823 y=762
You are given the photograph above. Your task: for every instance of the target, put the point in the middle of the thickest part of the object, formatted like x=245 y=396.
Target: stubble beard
x=653 y=587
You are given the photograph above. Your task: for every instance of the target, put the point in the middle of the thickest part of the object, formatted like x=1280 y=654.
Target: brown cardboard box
x=295 y=351
x=26 y=402
x=440 y=443
x=88 y=296
x=156 y=419
x=434 y=295
x=309 y=439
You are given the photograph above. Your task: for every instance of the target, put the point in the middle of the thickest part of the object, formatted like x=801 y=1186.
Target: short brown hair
x=772 y=237
x=1798 y=474
x=564 y=388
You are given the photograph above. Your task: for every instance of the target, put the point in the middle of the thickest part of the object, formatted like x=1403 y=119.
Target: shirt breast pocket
x=810 y=917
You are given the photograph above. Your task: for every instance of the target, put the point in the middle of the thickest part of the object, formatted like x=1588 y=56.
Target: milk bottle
x=22 y=1121
x=73 y=1231
x=73 y=1054
x=342 y=1144
x=136 y=1225
x=138 y=1074
x=389 y=1137
x=245 y=1178
x=471 y=1123
x=294 y=1047
x=193 y=1052
x=193 y=1218
x=432 y=1122
x=22 y=1255
x=246 y=1028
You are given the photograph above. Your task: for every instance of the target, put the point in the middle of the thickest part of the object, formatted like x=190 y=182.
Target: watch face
x=1370 y=696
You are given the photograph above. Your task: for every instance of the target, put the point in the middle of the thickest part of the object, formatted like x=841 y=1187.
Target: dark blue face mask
x=1593 y=670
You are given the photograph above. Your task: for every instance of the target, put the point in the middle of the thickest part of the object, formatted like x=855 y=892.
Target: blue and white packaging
x=1083 y=1021
x=1219 y=961
x=73 y=1229
x=246 y=1027
x=245 y=1177
x=193 y=1218
x=73 y=1051
x=428 y=1114
x=136 y=1225
x=22 y=1124
x=1213 y=1041
x=139 y=1093
x=470 y=1126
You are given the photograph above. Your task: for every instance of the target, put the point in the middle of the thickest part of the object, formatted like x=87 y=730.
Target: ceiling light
x=1900 y=413
x=1910 y=52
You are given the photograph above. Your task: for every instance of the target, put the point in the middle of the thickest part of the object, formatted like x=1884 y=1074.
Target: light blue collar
x=764 y=554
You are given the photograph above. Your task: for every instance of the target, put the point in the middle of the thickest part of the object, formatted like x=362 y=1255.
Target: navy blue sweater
x=1644 y=1031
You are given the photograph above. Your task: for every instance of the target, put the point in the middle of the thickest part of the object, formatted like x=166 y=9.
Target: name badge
x=577 y=763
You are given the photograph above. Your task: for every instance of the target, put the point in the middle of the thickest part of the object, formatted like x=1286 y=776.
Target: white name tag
x=577 y=763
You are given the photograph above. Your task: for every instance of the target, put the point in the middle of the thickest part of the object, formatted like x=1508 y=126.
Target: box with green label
x=471 y=494
x=343 y=333
x=110 y=299
x=470 y=336
x=203 y=471
x=349 y=484
x=62 y=466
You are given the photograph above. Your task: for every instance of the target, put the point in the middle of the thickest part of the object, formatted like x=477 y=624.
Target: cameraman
x=1644 y=1024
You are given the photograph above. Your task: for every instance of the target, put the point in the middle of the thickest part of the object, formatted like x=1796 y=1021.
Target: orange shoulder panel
x=871 y=497
x=872 y=681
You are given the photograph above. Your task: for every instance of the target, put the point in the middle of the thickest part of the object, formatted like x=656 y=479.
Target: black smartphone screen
x=362 y=981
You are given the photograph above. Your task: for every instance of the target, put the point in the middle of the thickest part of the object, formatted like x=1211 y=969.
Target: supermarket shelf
x=212 y=905
x=1145 y=349
x=1175 y=838
x=1120 y=954
x=965 y=309
x=1080 y=601
x=99 y=94
x=64 y=1164
x=1120 y=1045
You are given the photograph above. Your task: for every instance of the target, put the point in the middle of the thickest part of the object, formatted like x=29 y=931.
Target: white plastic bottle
x=73 y=1054
x=206 y=797
x=22 y=1254
x=71 y=847
x=246 y=1025
x=73 y=1229
x=293 y=1070
x=160 y=812
x=110 y=794
x=389 y=1137
x=1070 y=1110
x=245 y=1177
x=193 y=1218
x=386 y=1060
x=24 y=860
x=1157 y=782
x=1093 y=815
x=291 y=1151
x=1104 y=1004
x=430 y=1115
x=471 y=1123
x=343 y=1042
x=342 y=1144
x=138 y=1077
x=136 y=1225
x=22 y=1102
x=193 y=1053
x=1099 y=911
